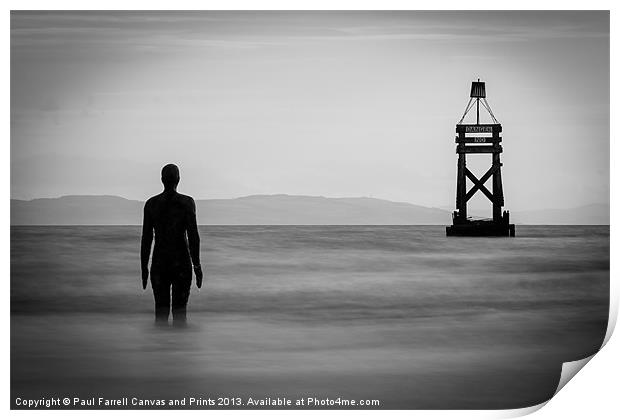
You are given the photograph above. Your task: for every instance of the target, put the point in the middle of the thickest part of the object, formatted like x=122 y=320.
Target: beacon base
x=481 y=228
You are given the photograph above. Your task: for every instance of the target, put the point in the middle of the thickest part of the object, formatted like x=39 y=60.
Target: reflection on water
x=399 y=313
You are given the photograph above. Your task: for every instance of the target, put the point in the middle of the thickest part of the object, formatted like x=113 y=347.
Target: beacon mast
x=479 y=138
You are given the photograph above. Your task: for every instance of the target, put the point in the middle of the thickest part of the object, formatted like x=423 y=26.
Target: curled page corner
x=570 y=369
x=613 y=316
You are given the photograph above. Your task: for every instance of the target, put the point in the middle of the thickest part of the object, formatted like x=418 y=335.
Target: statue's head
x=170 y=175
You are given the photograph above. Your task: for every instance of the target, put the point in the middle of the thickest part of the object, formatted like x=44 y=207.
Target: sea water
x=399 y=314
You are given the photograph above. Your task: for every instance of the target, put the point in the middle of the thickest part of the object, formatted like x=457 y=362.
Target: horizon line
x=443 y=208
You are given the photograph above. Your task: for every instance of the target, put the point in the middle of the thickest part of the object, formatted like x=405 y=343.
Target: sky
x=335 y=104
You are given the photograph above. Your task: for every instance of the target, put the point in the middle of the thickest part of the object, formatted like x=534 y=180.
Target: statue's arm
x=194 y=242
x=192 y=234
x=145 y=246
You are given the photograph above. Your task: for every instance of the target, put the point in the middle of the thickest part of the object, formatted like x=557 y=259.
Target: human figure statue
x=172 y=216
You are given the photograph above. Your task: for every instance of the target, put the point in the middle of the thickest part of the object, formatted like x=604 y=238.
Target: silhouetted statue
x=177 y=246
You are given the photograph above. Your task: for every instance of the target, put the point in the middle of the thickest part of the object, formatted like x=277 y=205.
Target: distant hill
x=274 y=210
x=252 y=210
x=593 y=214
x=77 y=210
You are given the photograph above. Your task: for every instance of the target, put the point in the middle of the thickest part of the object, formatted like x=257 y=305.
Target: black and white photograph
x=306 y=209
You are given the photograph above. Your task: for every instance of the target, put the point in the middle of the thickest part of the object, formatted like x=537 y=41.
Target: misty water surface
x=398 y=313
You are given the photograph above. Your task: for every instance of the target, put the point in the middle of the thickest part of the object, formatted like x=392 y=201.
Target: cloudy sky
x=315 y=103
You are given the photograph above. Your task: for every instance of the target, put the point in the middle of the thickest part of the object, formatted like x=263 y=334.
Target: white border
x=593 y=394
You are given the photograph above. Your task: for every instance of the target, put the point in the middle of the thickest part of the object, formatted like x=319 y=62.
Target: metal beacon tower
x=479 y=138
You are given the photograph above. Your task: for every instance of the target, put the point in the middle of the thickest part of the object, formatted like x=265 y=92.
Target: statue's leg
x=180 y=295
x=161 y=292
